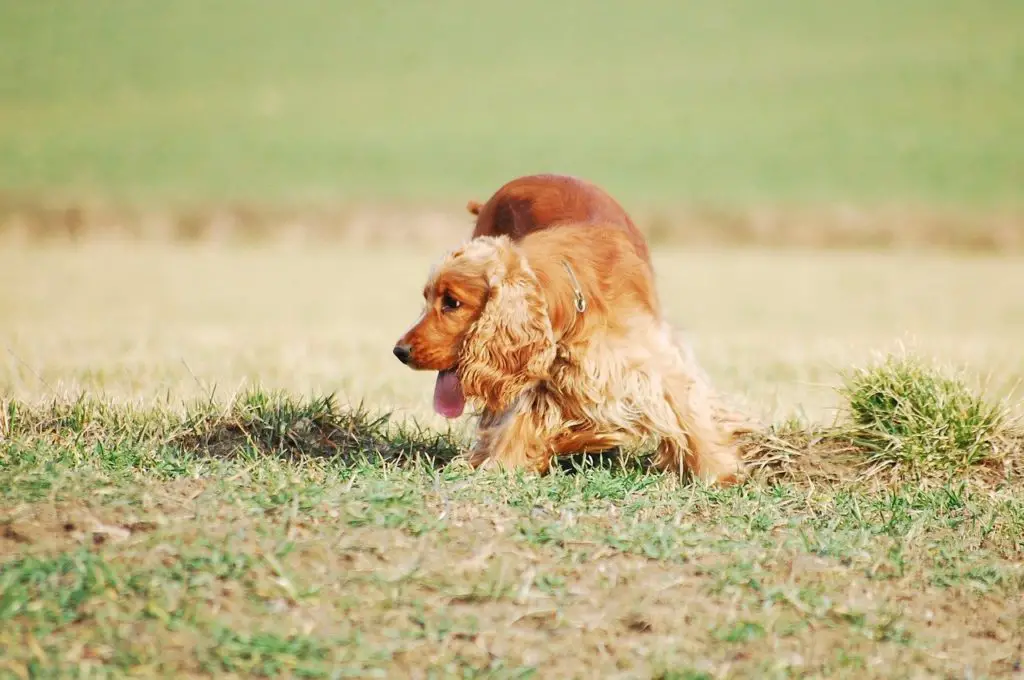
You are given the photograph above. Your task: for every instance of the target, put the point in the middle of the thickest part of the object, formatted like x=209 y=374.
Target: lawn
x=211 y=465
x=746 y=102
x=216 y=502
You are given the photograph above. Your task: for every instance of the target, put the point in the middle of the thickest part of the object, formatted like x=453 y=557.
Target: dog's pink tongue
x=448 y=398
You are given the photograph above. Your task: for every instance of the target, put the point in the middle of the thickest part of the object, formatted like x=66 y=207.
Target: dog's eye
x=449 y=303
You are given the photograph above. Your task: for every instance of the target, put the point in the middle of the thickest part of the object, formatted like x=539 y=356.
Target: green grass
x=911 y=412
x=131 y=545
x=746 y=102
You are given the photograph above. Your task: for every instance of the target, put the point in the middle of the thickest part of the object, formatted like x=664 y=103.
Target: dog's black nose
x=403 y=353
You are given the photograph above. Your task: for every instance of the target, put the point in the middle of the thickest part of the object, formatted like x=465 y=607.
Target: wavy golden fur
x=542 y=201
x=502 y=316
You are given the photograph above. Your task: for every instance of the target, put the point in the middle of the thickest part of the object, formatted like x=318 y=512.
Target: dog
x=557 y=338
x=541 y=201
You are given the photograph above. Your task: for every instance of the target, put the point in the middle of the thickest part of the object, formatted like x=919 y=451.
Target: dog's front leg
x=517 y=439
x=487 y=429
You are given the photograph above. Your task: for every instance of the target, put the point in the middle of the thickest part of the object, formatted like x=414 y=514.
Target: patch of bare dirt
x=50 y=527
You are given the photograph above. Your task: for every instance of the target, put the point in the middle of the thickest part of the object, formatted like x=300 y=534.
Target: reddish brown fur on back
x=535 y=202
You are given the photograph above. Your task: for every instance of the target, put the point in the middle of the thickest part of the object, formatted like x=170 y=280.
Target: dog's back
x=539 y=202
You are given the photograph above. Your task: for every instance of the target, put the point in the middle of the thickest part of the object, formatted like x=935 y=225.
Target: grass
x=179 y=495
x=912 y=413
x=157 y=324
x=856 y=123
x=860 y=102
x=130 y=544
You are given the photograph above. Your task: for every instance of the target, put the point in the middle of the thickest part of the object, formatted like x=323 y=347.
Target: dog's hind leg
x=734 y=421
x=695 y=442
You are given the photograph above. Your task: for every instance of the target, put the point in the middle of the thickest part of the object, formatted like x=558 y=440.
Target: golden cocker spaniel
x=558 y=338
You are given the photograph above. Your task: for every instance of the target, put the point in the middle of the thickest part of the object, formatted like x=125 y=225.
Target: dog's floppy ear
x=511 y=344
x=474 y=207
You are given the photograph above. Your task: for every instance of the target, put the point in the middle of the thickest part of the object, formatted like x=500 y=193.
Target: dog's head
x=484 y=328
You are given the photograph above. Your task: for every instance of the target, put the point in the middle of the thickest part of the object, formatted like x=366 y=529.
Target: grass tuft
x=911 y=413
x=260 y=422
x=279 y=424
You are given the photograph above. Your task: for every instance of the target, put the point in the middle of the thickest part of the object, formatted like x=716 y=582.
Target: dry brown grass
x=28 y=220
x=173 y=323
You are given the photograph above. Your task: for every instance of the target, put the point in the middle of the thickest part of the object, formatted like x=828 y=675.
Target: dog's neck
x=589 y=267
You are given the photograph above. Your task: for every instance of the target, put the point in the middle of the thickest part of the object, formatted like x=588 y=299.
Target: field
x=774 y=329
x=228 y=543
x=216 y=219
x=742 y=103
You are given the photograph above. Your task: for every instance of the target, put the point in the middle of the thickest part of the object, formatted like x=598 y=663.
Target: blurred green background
x=662 y=101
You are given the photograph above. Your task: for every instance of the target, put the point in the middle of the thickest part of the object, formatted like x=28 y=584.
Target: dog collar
x=581 y=302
